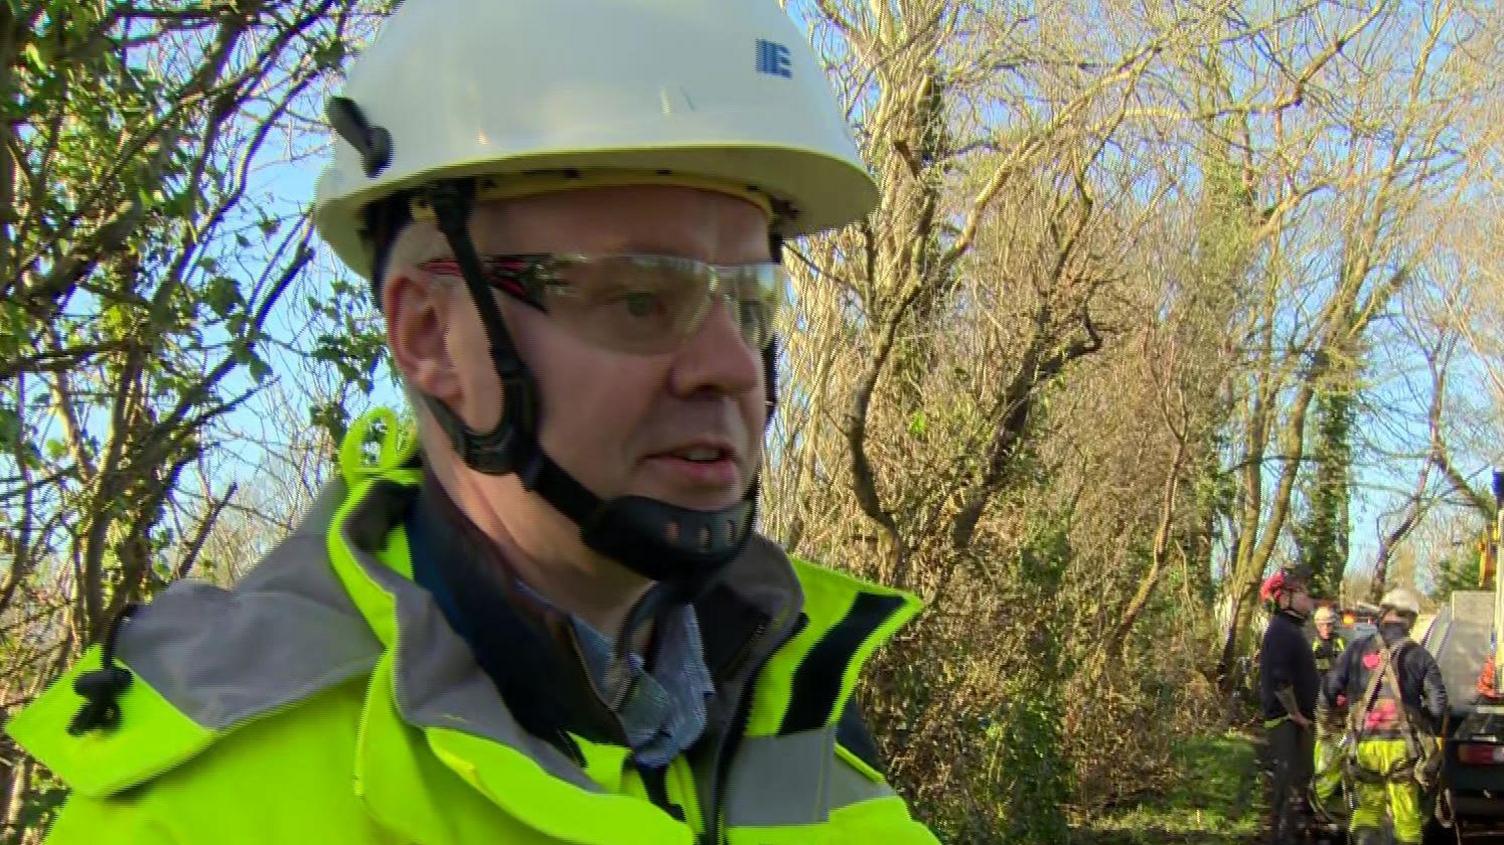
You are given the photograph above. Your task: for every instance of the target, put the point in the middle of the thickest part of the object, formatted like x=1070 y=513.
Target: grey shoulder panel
x=286 y=632
x=781 y=780
x=793 y=780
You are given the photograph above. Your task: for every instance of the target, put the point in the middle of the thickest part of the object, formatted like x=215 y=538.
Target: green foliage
x=223 y=296
x=352 y=342
x=138 y=269
x=1225 y=232
x=1028 y=745
x=1458 y=571
x=139 y=265
x=1323 y=535
x=919 y=424
x=1027 y=739
x=10 y=428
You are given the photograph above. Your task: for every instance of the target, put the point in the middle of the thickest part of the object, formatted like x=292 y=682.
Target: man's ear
x=418 y=315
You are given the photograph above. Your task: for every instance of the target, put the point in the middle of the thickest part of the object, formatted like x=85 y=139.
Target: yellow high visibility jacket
x=1326 y=652
x=325 y=699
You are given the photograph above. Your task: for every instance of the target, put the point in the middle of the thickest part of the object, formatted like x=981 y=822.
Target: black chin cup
x=665 y=542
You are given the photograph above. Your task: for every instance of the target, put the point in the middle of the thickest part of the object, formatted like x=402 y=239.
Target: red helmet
x=1285 y=580
x=1273 y=586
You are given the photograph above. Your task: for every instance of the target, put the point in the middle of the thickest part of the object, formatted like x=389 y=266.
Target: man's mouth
x=700 y=465
x=701 y=454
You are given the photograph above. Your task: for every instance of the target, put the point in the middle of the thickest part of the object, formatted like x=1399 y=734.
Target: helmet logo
x=773 y=59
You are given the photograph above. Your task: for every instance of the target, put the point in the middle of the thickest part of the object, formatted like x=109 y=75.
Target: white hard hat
x=536 y=94
x=1325 y=614
x=1403 y=600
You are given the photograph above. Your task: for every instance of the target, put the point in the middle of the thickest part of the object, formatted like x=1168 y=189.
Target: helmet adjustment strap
x=770 y=354
x=492 y=452
x=374 y=143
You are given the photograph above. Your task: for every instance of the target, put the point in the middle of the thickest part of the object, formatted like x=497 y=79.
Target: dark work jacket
x=1421 y=693
x=1286 y=661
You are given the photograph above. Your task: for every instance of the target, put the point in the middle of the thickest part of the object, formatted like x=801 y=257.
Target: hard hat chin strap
x=660 y=541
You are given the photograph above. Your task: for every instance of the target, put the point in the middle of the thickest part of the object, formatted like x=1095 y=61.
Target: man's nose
x=717 y=358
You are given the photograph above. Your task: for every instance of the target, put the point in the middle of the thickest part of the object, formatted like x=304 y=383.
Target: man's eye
x=641 y=303
x=750 y=314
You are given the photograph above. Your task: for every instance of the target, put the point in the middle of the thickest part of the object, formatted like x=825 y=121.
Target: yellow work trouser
x=1328 y=769
x=1401 y=797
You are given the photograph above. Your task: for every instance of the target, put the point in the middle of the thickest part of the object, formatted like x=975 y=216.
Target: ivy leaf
x=259 y=368
x=330 y=53
x=918 y=424
x=33 y=56
x=332 y=417
x=116 y=320
x=245 y=353
x=10 y=428
x=222 y=295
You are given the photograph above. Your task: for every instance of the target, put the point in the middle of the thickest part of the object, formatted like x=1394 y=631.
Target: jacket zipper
x=715 y=827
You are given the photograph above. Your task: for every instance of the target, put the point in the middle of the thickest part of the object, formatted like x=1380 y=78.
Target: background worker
x=1288 y=686
x=1396 y=702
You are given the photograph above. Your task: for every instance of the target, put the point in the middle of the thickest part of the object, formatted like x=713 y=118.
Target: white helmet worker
x=461 y=102
x=1401 y=600
x=532 y=95
x=1324 y=615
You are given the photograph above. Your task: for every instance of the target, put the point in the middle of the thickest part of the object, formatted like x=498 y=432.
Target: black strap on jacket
x=102 y=687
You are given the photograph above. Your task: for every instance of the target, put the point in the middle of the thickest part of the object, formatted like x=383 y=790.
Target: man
x=1288 y=686
x=1395 y=701
x=552 y=622
x=1328 y=643
x=1327 y=771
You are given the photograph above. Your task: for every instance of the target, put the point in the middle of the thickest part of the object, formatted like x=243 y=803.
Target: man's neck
x=576 y=580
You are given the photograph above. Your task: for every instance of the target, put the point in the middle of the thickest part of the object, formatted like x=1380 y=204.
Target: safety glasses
x=640 y=304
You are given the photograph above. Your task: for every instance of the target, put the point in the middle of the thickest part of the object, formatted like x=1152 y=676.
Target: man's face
x=624 y=423
x=1324 y=628
x=1394 y=617
x=1300 y=600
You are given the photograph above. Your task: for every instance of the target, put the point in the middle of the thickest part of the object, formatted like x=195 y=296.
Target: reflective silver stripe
x=781 y=780
x=285 y=632
x=794 y=779
x=438 y=682
x=289 y=630
x=849 y=786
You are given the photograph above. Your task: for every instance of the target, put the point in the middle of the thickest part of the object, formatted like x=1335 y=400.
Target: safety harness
x=1423 y=755
x=1358 y=721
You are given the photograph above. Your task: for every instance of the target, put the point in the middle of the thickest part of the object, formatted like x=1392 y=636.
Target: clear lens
x=650 y=304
